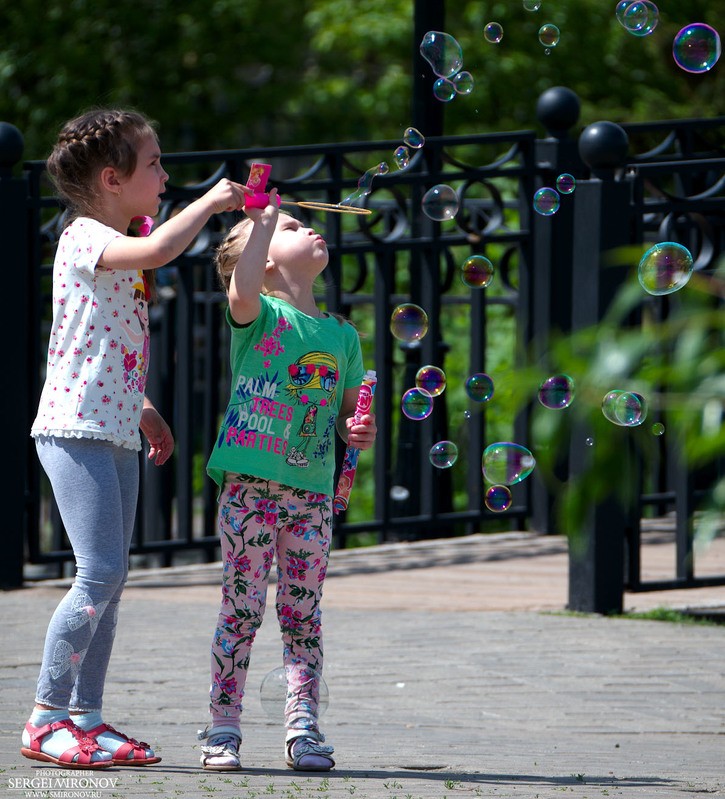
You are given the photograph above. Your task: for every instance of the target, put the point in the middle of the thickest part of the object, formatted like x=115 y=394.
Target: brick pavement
x=500 y=694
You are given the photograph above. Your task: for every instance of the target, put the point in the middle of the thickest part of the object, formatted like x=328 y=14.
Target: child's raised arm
x=171 y=238
x=248 y=275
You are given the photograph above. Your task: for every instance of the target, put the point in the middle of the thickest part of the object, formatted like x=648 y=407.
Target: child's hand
x=269 y=211
x=361 y=434
x=158 y=433
x=227 y=195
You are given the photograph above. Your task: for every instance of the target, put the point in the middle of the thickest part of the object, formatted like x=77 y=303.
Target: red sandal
x=131 y=746
x=79 y=756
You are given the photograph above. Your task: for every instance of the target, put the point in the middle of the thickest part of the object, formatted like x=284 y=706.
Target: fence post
x=602 y=221
x=16 y=399
x=551 y=295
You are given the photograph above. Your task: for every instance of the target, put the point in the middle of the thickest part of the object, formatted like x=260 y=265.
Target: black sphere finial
x=11 y=146
x=603 y=146
x=558 y=110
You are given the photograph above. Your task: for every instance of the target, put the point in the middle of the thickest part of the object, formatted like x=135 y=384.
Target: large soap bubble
x=442 y=52
x=665 y=268
x=696 y=47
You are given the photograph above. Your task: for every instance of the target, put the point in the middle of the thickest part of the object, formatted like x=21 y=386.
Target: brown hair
x=96 y=139
x=86 y=145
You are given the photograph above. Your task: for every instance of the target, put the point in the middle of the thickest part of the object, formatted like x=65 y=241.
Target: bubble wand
x=349 y=463
x=258 y=175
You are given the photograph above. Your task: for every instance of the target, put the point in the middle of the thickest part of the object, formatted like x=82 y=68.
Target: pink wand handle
x=349 y=463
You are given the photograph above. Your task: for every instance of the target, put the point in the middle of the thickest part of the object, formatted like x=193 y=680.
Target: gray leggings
x=95 y=485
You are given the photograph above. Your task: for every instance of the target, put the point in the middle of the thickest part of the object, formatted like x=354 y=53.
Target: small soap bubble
x=413 y=138
x=557 y=392
x=640 y=18
x=665 y=268
x=401 y=156
x=532 y=5
x=589 y=442
x=493 y=32
x=432 y=379
x=498 y=498
x=658 y=429
x=442 y=52
x=444 y=90
x=505 y=463
x=549 y=35
x=463 y=82
x=399 y=493
x=546 y=201
x=440 y=203
x=624 y=408
x=565 y=183
x=477 y=272
x=273 y=694
x=479 y=387
x=696 y=48
x=630 y=409
x=416 y=404
x=443 y=454
x=408 y=322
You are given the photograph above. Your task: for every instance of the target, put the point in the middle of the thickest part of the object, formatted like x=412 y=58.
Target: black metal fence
x=548 y=276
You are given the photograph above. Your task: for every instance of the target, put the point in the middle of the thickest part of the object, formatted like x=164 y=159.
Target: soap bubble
x=440 y=203
x=479 y=387
x=624 y=408
x=443 y=454
x=505 y=463
x=546 y=201
x=463 y=82
x=413 y=138
x=477 y=272
x=665 y=268
x=416 y=404
x=444 y=90
x=498 y=498
x=442 y=52
x=401 y=156
x=557 y=392
x=549 y=35
x=658 y=429
x=565 y=183
x=493 y=32
x=532 y=5
x=273 y=694
x=365 y=184
x=408 y=322
x=696 y=47
x=432 y=379
x=640 y=18
x=399 y=493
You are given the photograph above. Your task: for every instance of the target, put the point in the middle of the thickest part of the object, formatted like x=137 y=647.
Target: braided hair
x=87 y=144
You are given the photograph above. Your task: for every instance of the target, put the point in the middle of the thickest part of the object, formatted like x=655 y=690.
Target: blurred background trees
x=220 y=74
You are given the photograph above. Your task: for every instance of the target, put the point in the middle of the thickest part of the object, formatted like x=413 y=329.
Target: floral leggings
x=258 y=519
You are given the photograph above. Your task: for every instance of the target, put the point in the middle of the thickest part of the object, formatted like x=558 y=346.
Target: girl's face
x=294 y=245
x=141 y=191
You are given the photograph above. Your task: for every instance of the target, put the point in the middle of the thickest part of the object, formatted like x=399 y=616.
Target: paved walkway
x=453 y=670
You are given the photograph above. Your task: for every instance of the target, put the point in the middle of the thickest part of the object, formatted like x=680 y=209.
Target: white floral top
x=99 y=343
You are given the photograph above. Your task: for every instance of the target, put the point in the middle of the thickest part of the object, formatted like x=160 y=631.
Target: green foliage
x=675 y=360
x=220 y=74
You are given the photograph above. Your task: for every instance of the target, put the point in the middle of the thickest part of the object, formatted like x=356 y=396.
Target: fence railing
x=546 y=271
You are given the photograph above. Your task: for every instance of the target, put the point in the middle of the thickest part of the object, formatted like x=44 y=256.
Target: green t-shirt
x=289 y=373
